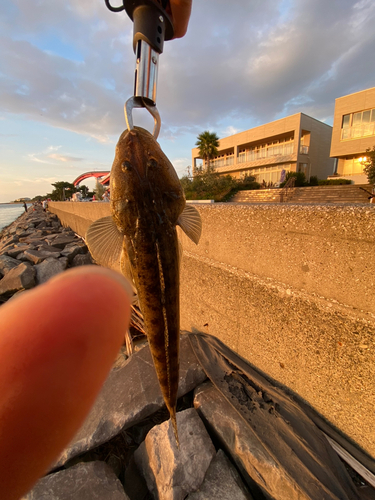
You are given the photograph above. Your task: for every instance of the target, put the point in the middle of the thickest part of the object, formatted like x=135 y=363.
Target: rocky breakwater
x=240 y=436
x=34 y=248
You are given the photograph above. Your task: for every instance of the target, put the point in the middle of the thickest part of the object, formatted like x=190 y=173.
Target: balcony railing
x=363 y=130
x=304 y=150
x=271 y=151
x=222 y=162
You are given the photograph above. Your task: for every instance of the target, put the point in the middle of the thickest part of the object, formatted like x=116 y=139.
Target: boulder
x=64 y=261
x=22 y=257
x=7 y=263
x=62 y=240
x=21 y=277
x=171 y=472
x=49 y=248
x=130 y=394
x=84 y=481
x=71 y=251
x=32 y=241
x=82 y=260
x=222 y=482
x=4 y=250
x=48 y=268
x=14 y=252
x=8 y=241
x=36 y=257
x=268 y=452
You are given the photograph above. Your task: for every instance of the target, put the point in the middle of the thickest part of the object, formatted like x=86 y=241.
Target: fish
x=140 y=240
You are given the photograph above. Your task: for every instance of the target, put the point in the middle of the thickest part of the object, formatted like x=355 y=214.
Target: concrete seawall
x=291 y=289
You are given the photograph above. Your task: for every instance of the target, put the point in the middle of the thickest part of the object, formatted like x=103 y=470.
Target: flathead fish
x=140 y=240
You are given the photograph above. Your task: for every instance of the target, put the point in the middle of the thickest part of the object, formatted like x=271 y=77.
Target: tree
x=84 y=190
x=99 y=190
x=207 y=143
x=369 y=165
x=62 y=191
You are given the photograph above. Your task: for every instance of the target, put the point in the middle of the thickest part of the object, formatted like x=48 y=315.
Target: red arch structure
x=101 y=175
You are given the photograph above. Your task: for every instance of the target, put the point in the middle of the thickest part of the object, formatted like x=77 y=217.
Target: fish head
x=142 y=177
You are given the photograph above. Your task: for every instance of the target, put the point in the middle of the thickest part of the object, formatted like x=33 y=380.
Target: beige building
x=297 y=143
x=353 y=132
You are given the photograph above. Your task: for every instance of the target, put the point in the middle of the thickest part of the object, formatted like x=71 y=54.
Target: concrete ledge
x=79 y=215
x=290 y=288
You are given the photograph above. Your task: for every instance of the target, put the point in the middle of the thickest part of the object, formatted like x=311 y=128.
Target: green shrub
x=300 y=179
x=333 y=182
x=212 y=186
x=314 y=181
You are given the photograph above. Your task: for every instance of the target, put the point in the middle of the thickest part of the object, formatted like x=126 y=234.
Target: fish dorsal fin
x=191 y=223
x=105 y=242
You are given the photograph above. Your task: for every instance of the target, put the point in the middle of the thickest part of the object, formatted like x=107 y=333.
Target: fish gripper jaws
x=140 y=102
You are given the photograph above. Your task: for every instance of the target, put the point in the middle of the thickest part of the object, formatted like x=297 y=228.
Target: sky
x=67 y=68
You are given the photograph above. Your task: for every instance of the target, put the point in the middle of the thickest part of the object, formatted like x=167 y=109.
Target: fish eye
x=152 y=163
x=126 y=166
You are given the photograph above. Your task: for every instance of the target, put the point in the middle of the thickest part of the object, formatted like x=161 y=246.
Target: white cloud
x=70 y=65
x=64 y=158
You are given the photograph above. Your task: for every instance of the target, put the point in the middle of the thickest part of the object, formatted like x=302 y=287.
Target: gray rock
x=36 y=257
x=32 y=241
x=7 y=263
x=19 y=278
x=8 y=241
x=130 y=394
x=82 y=260
x=62 y=240
x=50 y=237
x=64 y=261
x=265 y=449
x=222 y=482
x=84 y=481
x=79 y=243
x=14 y=252
x=71 y=251
x=22 y=257
x=5 y=250
x=22 y=233
x=49 y=248
x=48 y=268
x=172 y=473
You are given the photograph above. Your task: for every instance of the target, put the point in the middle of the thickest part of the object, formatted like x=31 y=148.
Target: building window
x=352 y=166
x=360 y=124
x=270 y=175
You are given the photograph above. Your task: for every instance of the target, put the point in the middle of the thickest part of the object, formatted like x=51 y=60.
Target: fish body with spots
x=140 y=240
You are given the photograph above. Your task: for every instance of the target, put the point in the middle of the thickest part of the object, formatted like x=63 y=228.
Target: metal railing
x=363 y=130
x=287 y=190
x=304 y=150
x=269 y=152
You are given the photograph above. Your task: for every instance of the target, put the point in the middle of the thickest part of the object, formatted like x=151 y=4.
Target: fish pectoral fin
x=105 y=242
x=191 y=223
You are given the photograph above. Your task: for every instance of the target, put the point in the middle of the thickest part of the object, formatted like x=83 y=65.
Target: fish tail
x=174 y=425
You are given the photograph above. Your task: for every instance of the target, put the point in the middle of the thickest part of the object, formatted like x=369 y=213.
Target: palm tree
x=207 y=144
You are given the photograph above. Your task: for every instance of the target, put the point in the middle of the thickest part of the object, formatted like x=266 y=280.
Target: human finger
x=57 y=345
x=180 y=11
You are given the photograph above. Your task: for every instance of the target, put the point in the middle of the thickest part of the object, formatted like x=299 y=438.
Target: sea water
x=9 y=213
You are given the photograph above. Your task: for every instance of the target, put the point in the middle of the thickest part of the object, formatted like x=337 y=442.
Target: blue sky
x=66 y=70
